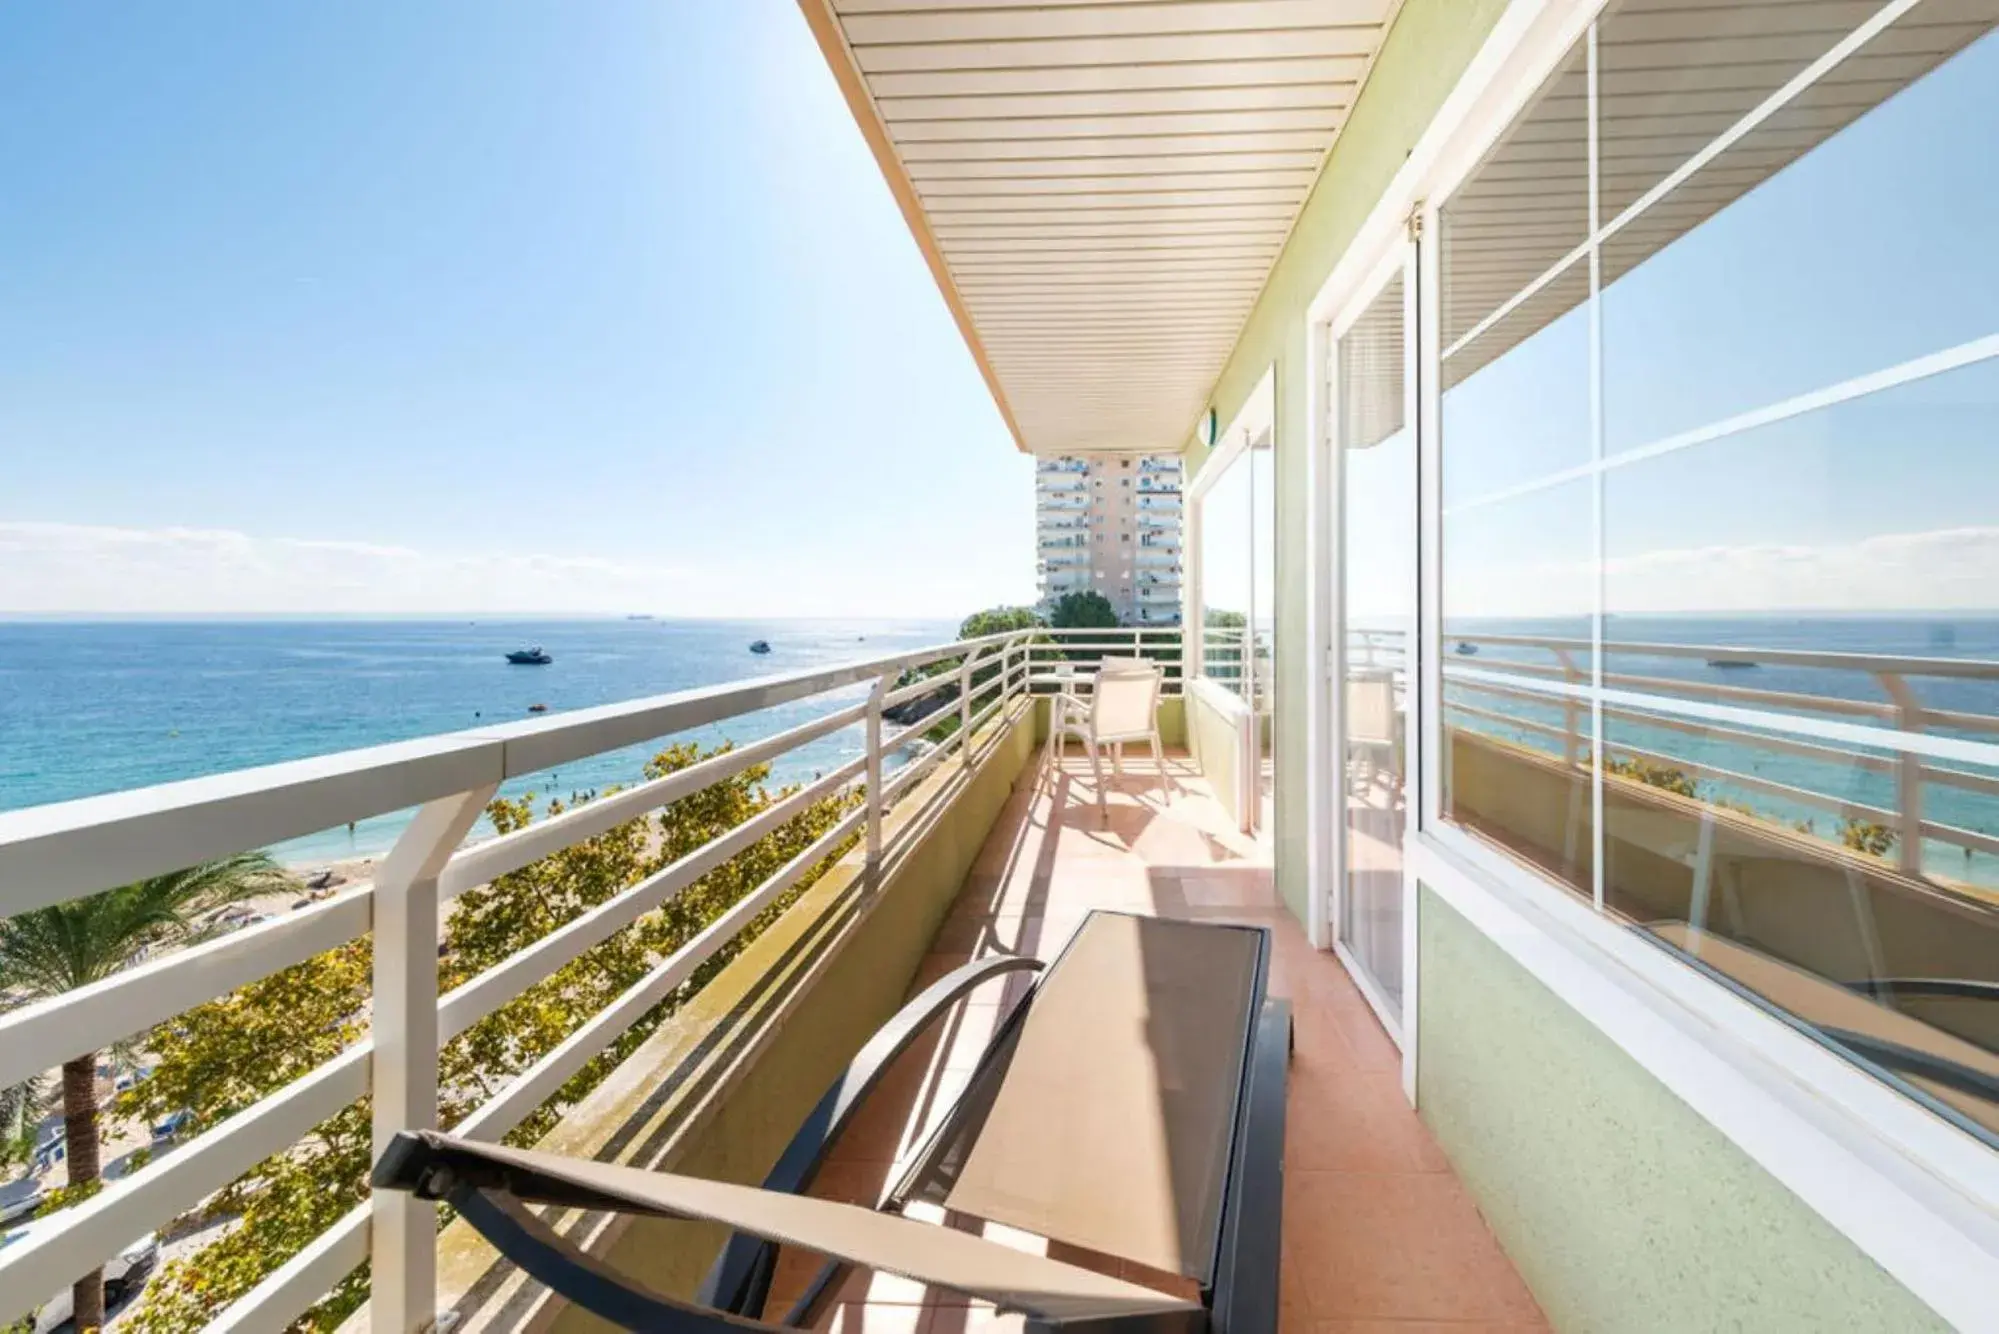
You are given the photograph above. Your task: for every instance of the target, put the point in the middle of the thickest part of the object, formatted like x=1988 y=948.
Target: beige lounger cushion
x=1111 y=1126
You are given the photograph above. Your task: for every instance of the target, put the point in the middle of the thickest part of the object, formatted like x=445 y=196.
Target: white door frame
x=1328 y=739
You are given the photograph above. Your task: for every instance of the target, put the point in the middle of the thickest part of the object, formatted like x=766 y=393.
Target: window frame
x=1914 y=1192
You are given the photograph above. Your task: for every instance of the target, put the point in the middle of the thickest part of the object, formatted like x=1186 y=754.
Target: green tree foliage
x=48 y=951
x=1662 y=776
x=1217 y=619
x=998 y=621
x=1876 y=840
x=21 y=1110
x=226 y=1055
x=1085 y=609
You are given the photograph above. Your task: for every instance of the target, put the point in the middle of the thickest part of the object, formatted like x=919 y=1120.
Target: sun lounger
x=1132 y=1104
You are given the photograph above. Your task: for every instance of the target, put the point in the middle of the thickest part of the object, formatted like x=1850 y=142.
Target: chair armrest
x=490 y=1186
x=740 y=1278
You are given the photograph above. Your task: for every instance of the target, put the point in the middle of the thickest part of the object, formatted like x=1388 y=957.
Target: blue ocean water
x=94 y=707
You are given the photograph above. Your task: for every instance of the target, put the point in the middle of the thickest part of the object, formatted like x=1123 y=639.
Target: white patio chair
x=1122 y=706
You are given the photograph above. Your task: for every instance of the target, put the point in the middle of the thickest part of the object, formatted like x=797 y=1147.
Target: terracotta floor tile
x=1355 y=1121
x=1406 y=1245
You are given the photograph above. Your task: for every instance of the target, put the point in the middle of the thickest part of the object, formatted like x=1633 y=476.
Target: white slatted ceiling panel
x=1107 y=182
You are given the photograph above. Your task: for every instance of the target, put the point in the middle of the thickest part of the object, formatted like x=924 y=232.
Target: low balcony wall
x=720 y=1088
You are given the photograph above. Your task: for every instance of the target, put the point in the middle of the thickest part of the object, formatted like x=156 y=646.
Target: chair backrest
x=1124 y=699
x=1371 y=709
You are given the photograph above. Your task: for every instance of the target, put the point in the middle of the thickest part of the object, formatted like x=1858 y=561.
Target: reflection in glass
x=1719 y=300
x=1523 y=208
x=1518 y=585
x=1779 y=867
x=1516 y=397
x=1378 y=524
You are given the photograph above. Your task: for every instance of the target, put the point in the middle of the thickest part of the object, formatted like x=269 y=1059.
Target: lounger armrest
x=490 y=1186
x=740 y=1278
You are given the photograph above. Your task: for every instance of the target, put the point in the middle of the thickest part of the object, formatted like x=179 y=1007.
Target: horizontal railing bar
x=1857 y=662
x=70 y=1244
x=1804 y=796
x=540 y=1081
x=290 y=1290
x=59 y=851
x=483 y=862
x=52 y=853
x=474 y=1000
x=540 y=744
x=1962 y=837
x=1653 y=706
x=41 y=1036
x=929 y=685
x=1786 y=745
x=1668 y=686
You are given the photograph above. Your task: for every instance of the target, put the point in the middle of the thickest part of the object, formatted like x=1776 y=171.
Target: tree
x=1223 y=620
x=21 y=1109
x=1085 y=609
x=220 y=1058
x=998 y=621
x=52 y=950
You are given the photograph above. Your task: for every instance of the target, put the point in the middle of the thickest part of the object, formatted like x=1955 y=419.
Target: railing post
x=1908 y=776
x=403 y=1230
x=874 y=836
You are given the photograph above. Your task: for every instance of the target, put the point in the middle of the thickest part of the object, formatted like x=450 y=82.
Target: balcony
x=1668 y=967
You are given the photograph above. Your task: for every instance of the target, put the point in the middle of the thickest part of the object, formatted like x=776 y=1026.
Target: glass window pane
x=1523 y=208
x=1674 y=74
x=1378 y=518
x=1516 y=398
x=1805 y=333
x=1518 y=587
x=1777 y=865
x=1755 y=569
x=1818 y=248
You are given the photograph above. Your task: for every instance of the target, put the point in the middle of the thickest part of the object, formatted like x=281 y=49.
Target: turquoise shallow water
x=93 y=707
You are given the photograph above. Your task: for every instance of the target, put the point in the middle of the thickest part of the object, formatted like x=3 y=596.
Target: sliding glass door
x=1375 y=448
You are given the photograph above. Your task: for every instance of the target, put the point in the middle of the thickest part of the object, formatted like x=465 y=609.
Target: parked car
x=124 y=1274
x=171 y=1129
x=50 y=1152
x=20 y=1210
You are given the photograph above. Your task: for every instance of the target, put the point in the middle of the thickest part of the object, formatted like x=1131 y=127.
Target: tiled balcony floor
x=1378 y=1234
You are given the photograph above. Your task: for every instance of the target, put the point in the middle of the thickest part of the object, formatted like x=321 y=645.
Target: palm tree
x=49 y=951
x=21 y=1109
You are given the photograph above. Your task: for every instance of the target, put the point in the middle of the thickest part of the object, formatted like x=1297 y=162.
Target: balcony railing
x=54 y=854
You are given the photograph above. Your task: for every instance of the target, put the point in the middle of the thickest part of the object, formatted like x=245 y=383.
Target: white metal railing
x=52 y=854
x=1055 y=656
x=1553 y=675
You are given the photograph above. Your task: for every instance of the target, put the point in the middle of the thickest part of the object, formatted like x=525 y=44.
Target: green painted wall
x=1426 y=51
x=1620 y=1205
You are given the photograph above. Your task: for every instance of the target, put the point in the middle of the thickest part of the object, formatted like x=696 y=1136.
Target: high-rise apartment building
x=1111 y=523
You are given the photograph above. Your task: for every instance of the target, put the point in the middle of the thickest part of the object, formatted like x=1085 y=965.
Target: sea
x=88 y=707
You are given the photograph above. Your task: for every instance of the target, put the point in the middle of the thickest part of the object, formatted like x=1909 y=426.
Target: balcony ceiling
x=1100 y=186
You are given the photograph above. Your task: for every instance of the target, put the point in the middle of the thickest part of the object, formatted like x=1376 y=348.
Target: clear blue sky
x=534 y=306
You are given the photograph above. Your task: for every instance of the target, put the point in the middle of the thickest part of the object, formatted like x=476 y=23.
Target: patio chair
x=1132 y=1102
x=1123 y=705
